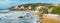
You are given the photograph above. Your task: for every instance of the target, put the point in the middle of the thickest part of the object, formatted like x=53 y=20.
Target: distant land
x=45 y=7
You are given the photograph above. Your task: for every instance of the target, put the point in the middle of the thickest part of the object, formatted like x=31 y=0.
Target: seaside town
x=29 y=11
x=47 y=13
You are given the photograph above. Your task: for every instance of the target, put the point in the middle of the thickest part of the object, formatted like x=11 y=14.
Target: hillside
x=45 y=7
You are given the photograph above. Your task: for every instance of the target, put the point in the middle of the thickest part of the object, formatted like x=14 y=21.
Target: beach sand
x=50 y=20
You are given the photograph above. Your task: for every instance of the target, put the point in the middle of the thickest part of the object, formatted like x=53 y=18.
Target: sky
x=4 y=4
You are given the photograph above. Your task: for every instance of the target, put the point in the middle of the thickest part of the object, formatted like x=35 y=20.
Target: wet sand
x=50 y=20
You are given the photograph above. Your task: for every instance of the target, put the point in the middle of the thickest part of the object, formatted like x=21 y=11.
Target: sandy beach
x=50 y=20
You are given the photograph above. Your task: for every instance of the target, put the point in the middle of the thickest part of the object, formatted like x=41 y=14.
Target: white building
x=16 y=7
x=55 y=4
x=49 y=10
x=29 y=7
x=22 y=7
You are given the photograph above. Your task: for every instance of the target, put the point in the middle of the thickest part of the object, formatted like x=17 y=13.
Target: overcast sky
x=8 y=3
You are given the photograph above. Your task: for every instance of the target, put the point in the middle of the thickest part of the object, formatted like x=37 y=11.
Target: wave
x=12 y=17
x=4 y=11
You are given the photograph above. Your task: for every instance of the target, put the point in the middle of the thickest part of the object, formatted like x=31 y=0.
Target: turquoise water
x=13 y=17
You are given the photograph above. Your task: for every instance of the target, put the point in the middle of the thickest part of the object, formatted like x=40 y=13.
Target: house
x=29 y=7
x=15 y=8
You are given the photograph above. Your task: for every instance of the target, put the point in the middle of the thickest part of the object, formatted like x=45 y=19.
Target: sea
x=7 y=16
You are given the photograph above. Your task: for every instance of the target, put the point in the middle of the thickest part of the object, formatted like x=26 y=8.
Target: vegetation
x=44 y=10
x=56 y=9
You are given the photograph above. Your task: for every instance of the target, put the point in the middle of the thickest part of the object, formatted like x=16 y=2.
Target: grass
x=56 y=11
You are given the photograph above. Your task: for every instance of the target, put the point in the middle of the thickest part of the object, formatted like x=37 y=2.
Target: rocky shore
x=40 y=9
